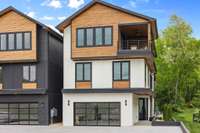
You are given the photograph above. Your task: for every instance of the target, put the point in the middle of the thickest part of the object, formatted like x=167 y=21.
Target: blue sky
x=52 y=12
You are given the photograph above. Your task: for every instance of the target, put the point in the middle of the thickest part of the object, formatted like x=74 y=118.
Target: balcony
x=135 y=40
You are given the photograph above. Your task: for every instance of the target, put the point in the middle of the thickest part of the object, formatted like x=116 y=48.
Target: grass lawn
x=186 y=117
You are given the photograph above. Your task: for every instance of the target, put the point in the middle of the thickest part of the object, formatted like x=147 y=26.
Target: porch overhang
x=137 y=91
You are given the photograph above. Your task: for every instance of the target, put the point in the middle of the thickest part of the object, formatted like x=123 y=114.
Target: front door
x=143 y=108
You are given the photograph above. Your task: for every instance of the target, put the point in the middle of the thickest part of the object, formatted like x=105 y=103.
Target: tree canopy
x=178 y=64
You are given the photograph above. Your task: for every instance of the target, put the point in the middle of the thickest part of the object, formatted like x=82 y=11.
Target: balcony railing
x=134 y=44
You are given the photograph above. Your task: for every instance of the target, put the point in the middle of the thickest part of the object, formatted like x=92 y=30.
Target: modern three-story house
x=30 y=70
x=109 y=68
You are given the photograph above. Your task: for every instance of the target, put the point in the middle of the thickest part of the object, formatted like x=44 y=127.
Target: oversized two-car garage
x=97 y=114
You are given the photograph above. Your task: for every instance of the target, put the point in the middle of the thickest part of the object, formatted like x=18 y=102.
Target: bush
x=178 y=109
x=167 y=112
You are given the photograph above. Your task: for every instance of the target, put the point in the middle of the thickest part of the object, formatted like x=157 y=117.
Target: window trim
x=29 y=71
x=15 y=41
x=94 y=37
x=83 y=63
x=129 y=70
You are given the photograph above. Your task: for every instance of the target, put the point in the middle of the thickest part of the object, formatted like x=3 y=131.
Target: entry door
x=143 y=108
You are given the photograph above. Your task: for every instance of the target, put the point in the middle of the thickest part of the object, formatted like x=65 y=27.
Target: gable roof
x=67 y=21
x=10 y=8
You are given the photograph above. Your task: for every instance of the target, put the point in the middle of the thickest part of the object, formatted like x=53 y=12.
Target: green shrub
x=167 y=112
x=177 y=108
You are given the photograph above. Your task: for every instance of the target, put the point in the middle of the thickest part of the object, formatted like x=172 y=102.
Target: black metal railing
x=134 y=44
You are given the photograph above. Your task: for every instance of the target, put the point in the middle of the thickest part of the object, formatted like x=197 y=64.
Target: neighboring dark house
x=30 y=70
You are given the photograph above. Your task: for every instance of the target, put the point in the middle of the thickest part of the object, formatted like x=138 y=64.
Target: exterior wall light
x=125 y=102
x=68 y=102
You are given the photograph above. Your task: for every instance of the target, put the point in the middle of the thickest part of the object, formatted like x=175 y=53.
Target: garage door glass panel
x=16 y=113
x=97 y=114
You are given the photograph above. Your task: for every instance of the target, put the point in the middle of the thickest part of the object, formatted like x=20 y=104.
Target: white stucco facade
x=102 y=78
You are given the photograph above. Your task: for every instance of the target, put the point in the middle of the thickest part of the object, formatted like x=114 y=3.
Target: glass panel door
x=143 y=108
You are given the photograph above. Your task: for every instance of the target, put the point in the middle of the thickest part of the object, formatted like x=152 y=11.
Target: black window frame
x=15 y=41
x=29 y=73
x=121 y=62
x=83 y=63
x=1 y=74
x=19 y=112
x=94 y=37
x=110 y=113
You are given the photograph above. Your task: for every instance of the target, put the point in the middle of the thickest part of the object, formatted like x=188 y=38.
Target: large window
x=29 y=73
x=83 y=71
x=19 y=113
x=15 y=41
x=96 y=36
x=97 y=114
x=1 y=75
x=121 y=70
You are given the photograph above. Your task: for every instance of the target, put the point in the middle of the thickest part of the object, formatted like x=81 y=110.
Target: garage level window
x=94 y=36
x=15 y=41
x=96 y=114
x=121 y=70
x=83 y=72
x=29 y=73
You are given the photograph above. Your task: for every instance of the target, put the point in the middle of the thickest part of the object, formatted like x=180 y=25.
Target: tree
x=177 y=64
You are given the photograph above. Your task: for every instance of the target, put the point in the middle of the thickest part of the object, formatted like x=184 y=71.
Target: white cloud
x=31 y=14
x=132 y=3
x=52 y=3
x=61 y=18
x=47 y=18
x=75 y=3
x=135 y=3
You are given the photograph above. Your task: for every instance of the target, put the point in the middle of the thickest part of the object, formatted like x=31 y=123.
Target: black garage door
x=97 y=114
x=19 y=113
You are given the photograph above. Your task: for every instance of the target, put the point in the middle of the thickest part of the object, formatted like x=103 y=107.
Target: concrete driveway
x=60 y=129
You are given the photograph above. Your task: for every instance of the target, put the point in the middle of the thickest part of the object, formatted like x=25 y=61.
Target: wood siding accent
x=13 y=22
x=100 y=15
x=121 y=84
x=83 y=85
x=29 y=85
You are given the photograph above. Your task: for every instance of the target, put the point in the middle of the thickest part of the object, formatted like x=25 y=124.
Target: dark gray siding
x=12 y=76
x=55 y=74
x=42 y=55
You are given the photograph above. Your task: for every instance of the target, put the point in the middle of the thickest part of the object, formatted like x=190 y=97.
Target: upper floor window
x=1 y=75
x=96 y=36
x=121 y=70
x=29 y=73
x=15 y=41
x=83 y=71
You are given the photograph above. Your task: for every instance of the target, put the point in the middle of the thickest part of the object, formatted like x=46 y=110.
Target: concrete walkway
x=60 y=129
